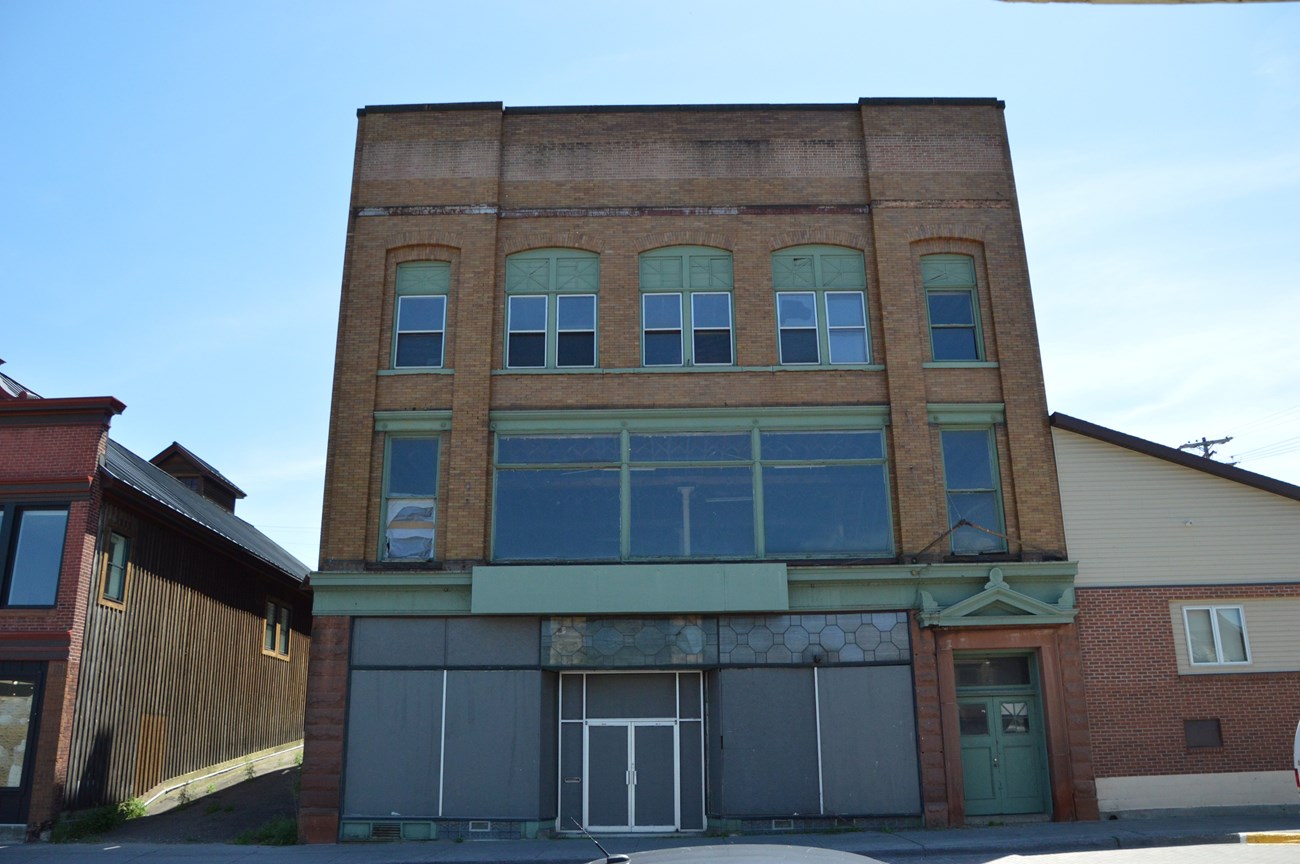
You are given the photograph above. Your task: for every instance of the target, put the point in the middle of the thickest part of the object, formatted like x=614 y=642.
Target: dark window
x=993 y=672
x=950 y=299
x=1202 y=733
x=970 y=476
x=275 y=640
x=31 y=553
x=420 y=315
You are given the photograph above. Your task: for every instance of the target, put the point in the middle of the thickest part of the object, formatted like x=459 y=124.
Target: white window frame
x=1213 y=610
x=424 y=280
x=511 y=331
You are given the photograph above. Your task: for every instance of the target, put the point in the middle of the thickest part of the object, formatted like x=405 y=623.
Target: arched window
x=950 y=301
x=686 y=290
x=420 y=319
x=821 y=306
x=551 y=309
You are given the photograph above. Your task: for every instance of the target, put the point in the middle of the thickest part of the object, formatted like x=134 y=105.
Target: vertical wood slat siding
x=177 y=681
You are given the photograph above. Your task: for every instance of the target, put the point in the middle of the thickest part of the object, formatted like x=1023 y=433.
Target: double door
x=1002 y=754
x=631 y=775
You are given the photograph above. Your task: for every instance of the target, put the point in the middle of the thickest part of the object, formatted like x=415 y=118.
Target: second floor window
x=970 y=471
x=31 y=553
x=420 y=316
x=821 y=311
x=551 y=309
x=686 y=307
x=410 y=498
x=113 y=586
x=691 y=495
x=1216 y=635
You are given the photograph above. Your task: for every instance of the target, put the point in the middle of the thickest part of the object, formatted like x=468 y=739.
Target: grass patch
x=101 y=820
x=277 y=832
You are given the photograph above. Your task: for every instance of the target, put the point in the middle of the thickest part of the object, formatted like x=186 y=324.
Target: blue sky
x=176 y=178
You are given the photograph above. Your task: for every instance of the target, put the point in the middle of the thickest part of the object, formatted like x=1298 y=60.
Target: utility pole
x=1204 y=445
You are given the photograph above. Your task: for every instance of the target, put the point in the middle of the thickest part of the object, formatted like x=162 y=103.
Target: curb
x=1270 y=837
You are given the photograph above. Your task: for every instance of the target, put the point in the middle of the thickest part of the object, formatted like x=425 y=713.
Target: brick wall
x=1137 y=701
x=322 y=758
x=894 y=180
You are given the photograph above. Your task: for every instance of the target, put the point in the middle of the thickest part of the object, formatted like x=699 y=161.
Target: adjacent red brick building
x=146 y=633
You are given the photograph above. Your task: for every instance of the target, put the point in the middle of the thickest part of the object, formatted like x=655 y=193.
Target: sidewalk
x=996 y=842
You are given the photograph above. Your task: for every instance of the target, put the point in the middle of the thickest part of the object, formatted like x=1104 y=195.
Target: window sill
x=680 y=370
x=960 y=364
x=423 y=370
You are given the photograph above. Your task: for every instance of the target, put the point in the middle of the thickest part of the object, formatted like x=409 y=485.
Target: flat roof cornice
x=646 y=109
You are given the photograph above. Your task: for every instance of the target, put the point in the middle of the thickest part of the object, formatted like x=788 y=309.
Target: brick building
x=1188 y=599
x=689 y=468
x=147 y=634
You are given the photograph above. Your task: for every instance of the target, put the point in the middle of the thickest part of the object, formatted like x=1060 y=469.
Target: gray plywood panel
x=393 y=743
x=493 y=641
x=493 y=761
x=769 y=742
x=398 y=642
x=868 y=734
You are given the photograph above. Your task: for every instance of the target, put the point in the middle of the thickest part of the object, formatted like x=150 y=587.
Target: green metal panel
x=383 y=593
x=948 y=271
x=629 y=589
x=412 y=421
x=552 y=270
x=692 y=419
x=423 y=277
x=966 y=414
x=836 y=267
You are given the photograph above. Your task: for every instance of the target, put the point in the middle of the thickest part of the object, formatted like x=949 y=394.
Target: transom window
x=410 y=497
x=970 y=470
x=420 y=320
x=1216 y=635
x=634 y=495
x=31 y=553
x=821 y=311
x=551 y=309
x=949 y=282
x=686 y=307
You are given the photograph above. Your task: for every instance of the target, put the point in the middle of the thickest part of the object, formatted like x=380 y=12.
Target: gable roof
x=1174 y=455
x=187 y=455
x=11 y=389
x=149 y=480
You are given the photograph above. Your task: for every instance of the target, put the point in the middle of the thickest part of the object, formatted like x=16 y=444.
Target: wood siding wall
x=1132 y=519
x=175 y=680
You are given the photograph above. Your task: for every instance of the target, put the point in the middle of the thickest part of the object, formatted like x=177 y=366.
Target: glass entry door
x=20 y=701
x=631 y=776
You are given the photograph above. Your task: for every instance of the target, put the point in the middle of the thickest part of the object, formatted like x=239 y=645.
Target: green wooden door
x=1002 y=754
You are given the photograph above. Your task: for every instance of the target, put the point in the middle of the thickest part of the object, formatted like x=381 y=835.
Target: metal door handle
x=995 y=761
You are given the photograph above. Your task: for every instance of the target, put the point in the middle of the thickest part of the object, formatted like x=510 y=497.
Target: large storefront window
x=691 y=495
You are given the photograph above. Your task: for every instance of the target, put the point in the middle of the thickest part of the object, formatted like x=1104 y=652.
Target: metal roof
x=149 y=480
x=177 y=448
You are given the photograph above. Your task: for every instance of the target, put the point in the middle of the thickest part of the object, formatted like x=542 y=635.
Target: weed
x=249 y=771
x=297 y=758
x=277 y=832
x=101 y=820
x=183 y=797
x=210 y=788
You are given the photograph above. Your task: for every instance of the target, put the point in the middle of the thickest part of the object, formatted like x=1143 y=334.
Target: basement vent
x=386 y=831
x=782 y=824
x=480 y=825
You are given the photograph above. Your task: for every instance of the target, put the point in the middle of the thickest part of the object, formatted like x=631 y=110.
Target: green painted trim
x=385 y=593
x=960 y=364
x=962 y=414
x=692 y=419
x=662 y=370
x=629 y=589
x=412 y=421
x=902 y=586
x=420 y=370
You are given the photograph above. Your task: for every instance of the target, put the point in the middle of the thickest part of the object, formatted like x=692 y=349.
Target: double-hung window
x=821 y=311
x=31 y=553
x=420 y=319
x=551 y=309
x=410 y=497
x=112 y=588
x=722 y=493
x=970 y=470
x=951 y=302
x=1216 y=635
x=686 y=307
x=275 y=631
